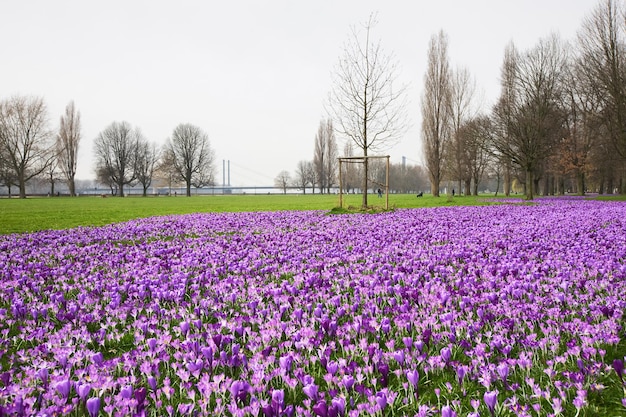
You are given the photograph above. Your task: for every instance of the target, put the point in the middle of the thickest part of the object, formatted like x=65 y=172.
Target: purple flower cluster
x=450 y=311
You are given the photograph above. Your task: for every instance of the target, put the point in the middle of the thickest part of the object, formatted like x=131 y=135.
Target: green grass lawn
x=41 y=213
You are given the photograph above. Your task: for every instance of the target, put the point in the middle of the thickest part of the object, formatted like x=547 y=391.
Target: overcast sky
x=253 y=74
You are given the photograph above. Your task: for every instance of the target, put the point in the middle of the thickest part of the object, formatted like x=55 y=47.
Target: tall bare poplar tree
x=191 y=153
x=325 y=156
x=67 y=142
x=366 y=103
x=436 y=109
x=26 y=142
x=463 y=89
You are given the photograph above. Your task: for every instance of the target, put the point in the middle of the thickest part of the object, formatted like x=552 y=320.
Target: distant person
x=453 y=192
x=380 y=193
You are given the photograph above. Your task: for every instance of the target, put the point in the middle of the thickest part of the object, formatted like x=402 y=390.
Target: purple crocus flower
x=63 y=388
x=184 y=328
x=278 y=400
x=97 y=358
x=152 y=343
x=332 y=367
x=127 y=392
x=311 y=391
x=491 y=399
x=83 y=390
x=503 y=371
x=339 y=404
x=93 y=406
x=426 y=334
x=348 y=381
x=446 y=354
x=618 y=365
x=399 y=357
x=43 y=375
x=381 y=399
x=152 y=383
x=320 y=409
x=461 y=371
x=413 y=377
x=408 y=342
x=447 y=411
x=239 y=390
x=285 y=362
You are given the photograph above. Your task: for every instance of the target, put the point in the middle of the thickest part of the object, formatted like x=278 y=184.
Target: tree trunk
x=507 y=181
x=120 y=186
x=364 y=181
x=434 y=185
x=72 y=186
x=530 y=180
x=188 y=188
x=21 y=182
x=468 y=187
x=601 y=189
x=580 y=182
x=497 y=184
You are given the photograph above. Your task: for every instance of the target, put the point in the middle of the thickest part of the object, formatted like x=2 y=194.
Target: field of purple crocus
x=507 y=310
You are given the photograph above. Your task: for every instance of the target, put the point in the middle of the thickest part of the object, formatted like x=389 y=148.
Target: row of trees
x=559 y=123
x=125 y=157
x=30 y=149
x=322 y=172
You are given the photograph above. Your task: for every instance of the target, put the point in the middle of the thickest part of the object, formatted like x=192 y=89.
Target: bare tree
x=366 y=103
x=406 y=178
x=25 y=139
x=325 y=156
x=331 y=161
x=282 y=181
x=436 y=109
x=147 y=159
x=319 y=156
x=531 y=113
x=67 y=142
x=475 y=137
x=166 y=170
x=7 y=175
x=463 y=91
x=602 y=44
x=104 y=176
x=350 y=172
x=305 y=175
x=192 y=155
x=116 y=155
x=51 y=174
x=584 y=125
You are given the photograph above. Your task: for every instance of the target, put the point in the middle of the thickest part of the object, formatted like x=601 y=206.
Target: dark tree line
x=559 y=124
